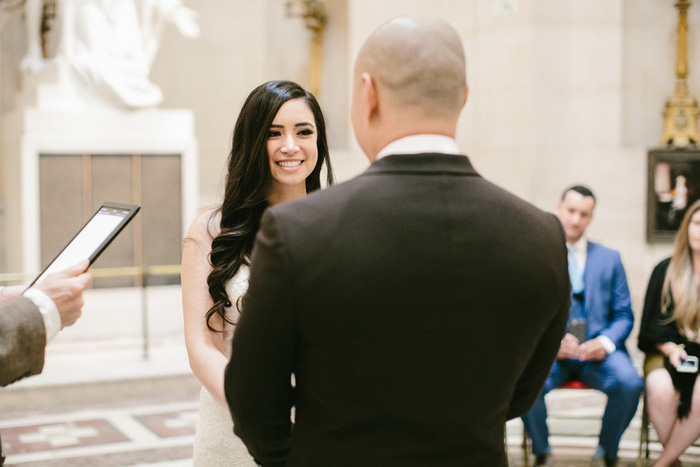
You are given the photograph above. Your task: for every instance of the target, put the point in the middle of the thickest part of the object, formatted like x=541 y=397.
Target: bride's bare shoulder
x=205 y=226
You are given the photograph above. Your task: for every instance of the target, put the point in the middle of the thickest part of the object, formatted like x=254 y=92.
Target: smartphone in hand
x=578 y=328
x=689 y=365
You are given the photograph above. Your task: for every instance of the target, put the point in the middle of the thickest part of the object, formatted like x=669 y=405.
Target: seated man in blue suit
x=593 y=349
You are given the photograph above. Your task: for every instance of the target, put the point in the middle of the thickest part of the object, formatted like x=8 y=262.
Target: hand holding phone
x=579 y=329
x=689 y=365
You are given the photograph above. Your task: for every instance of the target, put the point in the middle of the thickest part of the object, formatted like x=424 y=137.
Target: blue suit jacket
x=606 y=296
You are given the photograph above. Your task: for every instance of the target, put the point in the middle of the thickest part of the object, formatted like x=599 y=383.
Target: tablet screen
x=93 y=238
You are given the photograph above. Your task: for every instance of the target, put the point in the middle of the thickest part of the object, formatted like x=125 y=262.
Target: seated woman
x=668 y=335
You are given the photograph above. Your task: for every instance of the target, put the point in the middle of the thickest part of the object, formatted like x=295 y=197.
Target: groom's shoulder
x=325 y=200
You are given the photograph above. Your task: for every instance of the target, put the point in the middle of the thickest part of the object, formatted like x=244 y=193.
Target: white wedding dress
x=215 y=445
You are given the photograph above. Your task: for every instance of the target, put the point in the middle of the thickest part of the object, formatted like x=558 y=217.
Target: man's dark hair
x=580 y=189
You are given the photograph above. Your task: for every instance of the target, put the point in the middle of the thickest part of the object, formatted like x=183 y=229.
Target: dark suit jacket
x=606 y=296
x=418 y=306
x=22 y=340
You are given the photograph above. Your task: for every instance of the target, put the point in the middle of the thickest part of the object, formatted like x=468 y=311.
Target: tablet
x=91 y=240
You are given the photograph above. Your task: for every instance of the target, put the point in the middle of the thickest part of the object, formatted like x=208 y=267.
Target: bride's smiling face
x=292 y=146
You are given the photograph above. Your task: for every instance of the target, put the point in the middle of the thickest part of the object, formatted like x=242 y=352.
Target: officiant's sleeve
x=22 y=340
x=258 y=377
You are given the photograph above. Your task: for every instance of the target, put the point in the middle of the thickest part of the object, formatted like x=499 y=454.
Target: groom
x=418 y=306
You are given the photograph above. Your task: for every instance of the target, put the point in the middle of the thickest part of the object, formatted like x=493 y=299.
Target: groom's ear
x=369 y=95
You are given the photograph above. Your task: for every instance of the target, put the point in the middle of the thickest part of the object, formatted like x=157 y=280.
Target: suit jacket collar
x=592 y=246
x=429 y=163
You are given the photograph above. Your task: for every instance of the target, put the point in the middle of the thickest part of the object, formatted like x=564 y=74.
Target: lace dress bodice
x=214 y=442
x=235 y=288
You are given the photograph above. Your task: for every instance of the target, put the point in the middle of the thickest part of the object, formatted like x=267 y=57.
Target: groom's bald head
x=418 y=63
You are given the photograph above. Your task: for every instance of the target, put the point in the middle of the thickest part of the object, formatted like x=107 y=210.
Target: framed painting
x=673 y=185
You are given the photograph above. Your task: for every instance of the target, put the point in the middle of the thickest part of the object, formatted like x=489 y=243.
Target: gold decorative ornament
x=47 y=19
x=315 y=17
x=681 y=111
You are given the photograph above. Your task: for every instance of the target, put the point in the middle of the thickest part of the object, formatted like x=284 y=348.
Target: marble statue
x=110 y=44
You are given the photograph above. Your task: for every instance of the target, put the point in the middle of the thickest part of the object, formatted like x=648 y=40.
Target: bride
x=279 y=148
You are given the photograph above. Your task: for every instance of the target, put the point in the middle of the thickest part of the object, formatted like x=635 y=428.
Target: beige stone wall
x=243 y=44
x=212 y=75
x=562 y=92
x=565 y=92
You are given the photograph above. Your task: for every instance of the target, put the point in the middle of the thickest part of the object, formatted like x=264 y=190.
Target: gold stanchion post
x=315 y=19
x=681 y=111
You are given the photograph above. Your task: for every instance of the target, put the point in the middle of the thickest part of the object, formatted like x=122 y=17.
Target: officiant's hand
x=592 y=350
x=65 y=289
x=569 y=348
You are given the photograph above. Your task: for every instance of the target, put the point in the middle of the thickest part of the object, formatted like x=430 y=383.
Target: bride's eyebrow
x=297 y=124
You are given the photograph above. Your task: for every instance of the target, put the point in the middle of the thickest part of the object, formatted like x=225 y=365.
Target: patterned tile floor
x=151 y=423
x=91 y=428
x=100 y=403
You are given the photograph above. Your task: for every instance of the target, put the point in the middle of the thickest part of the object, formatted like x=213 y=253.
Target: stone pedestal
x=55 y=118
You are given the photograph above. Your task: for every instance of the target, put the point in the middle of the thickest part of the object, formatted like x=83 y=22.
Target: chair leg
x=644 y=432
x=505 y=442
x=526 y=458
x=645 y=414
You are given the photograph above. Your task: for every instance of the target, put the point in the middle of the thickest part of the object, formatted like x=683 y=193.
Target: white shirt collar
x=581 y=246
x=420 y=144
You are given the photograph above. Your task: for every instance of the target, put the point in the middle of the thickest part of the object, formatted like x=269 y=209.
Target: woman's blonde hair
x=680 y=291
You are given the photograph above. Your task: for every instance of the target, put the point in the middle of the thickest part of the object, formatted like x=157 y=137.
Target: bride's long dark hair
x=247 y=181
